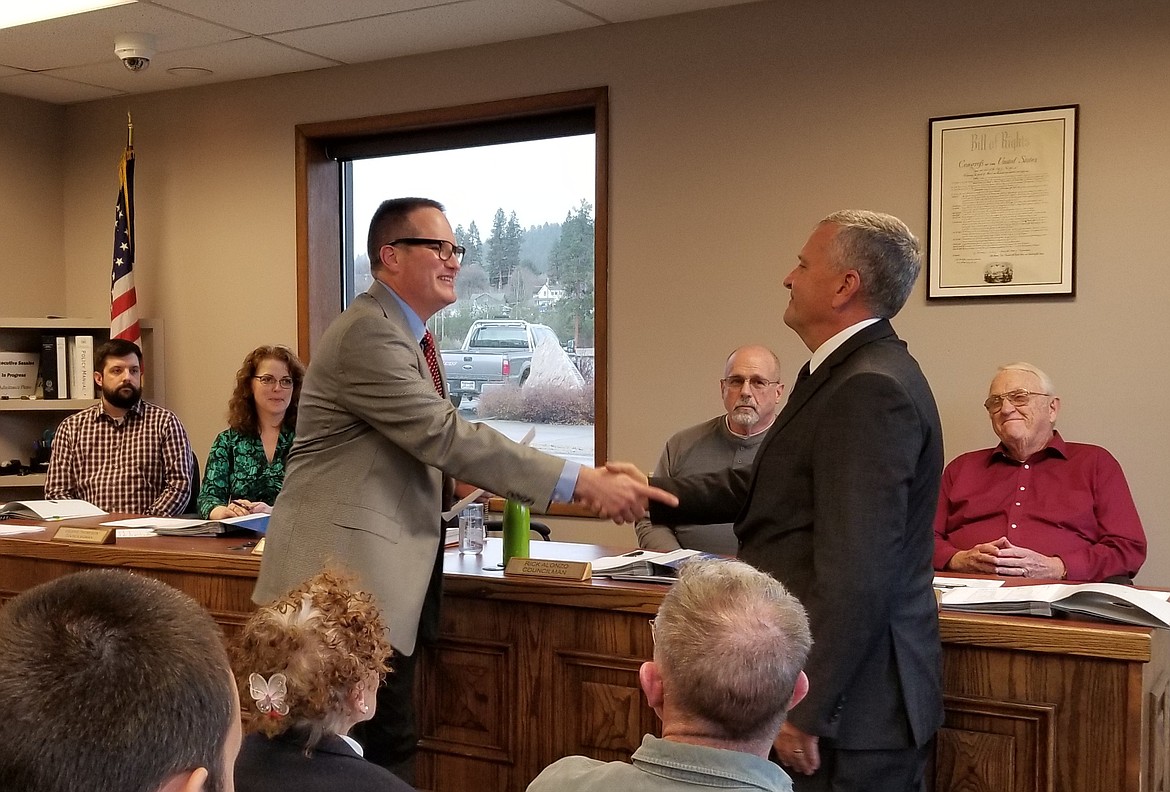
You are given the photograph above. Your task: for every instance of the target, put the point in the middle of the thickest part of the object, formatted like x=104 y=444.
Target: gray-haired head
x=1045 y=381
x=885 y=253
x=731 y=643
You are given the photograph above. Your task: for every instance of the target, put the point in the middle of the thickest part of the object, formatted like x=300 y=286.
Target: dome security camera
x=135 y=50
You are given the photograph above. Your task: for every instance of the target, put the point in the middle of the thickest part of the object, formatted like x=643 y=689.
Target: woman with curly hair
x=245 y=468
x=308 y=668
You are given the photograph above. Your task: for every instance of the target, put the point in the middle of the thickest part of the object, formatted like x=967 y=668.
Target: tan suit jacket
x=364 y=482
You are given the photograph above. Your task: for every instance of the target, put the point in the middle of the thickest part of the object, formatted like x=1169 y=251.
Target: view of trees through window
x=540 y=273
x=524 y=212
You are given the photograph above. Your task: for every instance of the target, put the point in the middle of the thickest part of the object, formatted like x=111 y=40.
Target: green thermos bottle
x=517 y=520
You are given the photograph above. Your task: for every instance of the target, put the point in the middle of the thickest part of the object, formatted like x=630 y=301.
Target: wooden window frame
x=318 y=222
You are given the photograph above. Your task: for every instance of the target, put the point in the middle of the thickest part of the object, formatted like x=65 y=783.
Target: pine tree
x=496 y=250
x=571 y=267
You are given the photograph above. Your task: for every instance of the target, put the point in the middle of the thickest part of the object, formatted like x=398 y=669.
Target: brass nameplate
x=99 y=536
x=542 y=568
x=259 y=548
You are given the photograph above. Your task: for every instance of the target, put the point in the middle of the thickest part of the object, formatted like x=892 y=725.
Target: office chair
x=497 y=526
x=192 y=507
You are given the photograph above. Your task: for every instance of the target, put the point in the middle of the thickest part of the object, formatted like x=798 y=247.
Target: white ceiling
x=72 y=59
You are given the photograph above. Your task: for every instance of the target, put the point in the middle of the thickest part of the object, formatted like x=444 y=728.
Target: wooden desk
x=528 y=671
x=217 y=572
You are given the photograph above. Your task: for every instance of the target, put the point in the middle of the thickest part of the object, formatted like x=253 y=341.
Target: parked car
x=495 y=352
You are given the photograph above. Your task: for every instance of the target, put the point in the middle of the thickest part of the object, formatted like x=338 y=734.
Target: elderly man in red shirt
x=1036 y=506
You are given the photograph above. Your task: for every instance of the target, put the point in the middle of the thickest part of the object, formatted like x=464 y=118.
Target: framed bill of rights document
x=1003 y=204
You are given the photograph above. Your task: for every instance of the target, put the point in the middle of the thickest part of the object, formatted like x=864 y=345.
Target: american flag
x=123 y=298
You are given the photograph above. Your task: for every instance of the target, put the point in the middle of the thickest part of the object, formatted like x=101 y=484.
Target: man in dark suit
x=377 y=444
x=838 y=507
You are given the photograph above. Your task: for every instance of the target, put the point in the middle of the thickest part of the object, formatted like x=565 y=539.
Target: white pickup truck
x=495 y=351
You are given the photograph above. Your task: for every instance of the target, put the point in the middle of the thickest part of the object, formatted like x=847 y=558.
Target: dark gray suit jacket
x=280 y=765
x=839 y=507
x=363 y=485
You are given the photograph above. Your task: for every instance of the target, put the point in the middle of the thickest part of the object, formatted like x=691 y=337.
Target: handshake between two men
x=619 y=491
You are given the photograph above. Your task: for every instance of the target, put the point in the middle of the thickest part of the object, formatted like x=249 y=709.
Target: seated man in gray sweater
x=729 y=646
x=751 y=390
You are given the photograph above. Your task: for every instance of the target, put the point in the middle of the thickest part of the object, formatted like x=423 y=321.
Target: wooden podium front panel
x=1054 y=712
x=535 y=682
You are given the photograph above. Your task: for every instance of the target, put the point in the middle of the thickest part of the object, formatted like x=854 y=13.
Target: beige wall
x=31 y=189
x=732 y=132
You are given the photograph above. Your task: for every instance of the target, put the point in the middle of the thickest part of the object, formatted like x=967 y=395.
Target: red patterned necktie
x=428 y=345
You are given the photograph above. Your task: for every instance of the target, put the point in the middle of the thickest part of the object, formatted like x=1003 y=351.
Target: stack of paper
x=645 y=565
x=1101 y=600
x=172 y=526
x=51 y=509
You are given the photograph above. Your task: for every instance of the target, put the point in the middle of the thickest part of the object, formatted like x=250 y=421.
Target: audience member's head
x=883 y=251
x=751 y=389
x=113 y=682
x=311 y=662
x=269 y=382
x=729 y=647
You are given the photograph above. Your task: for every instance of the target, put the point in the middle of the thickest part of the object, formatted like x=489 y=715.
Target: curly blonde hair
x=327 y=638
x=242 y=405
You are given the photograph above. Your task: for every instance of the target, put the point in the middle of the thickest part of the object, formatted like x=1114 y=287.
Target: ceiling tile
x=89 y=37
x=76 y=54
x=240 y=59
x=437 y=28
x=51 y=89
x=629 y=10
x=272 y=16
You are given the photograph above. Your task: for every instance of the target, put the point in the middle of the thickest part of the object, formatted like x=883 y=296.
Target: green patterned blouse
x=237 y=468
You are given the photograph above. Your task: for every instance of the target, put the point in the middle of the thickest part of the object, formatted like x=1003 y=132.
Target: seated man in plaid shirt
x=122 y=454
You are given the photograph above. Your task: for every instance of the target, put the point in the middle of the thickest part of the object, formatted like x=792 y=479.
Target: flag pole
x=123 y=296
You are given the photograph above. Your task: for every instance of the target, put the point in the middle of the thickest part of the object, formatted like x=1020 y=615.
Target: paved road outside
x=568 y=442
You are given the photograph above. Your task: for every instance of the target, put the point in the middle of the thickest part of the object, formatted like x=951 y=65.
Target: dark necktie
x=801 y=376
x=428 y=345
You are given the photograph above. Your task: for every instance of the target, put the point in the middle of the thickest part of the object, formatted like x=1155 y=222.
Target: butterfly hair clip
x=269 y=694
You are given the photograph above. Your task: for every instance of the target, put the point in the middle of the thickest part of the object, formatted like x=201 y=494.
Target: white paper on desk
x=153 y=522
x=1104 y=600
x=135 y=533
x=643 y=563
x=64 y=509
x=16 y=530
x=941 y=581
x=626 y=561
x=470 y=499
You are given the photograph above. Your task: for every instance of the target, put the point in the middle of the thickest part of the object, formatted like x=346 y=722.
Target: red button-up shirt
x=1069 y=500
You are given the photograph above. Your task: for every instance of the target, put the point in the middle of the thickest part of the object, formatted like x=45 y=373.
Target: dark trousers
x=390 y=738
x=901 y=770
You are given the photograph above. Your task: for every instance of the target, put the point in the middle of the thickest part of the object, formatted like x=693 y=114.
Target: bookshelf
x=24 y=420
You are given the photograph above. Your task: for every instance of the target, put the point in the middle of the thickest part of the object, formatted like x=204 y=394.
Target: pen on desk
x=632 y=554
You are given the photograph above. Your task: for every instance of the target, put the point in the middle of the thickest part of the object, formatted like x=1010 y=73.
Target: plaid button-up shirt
x=142 y=465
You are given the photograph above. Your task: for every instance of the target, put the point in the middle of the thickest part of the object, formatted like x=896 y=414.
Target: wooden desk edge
x=132 y=553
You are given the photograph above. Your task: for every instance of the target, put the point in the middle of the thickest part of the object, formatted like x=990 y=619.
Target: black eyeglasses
x=441 y=246
x=1018 y=398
